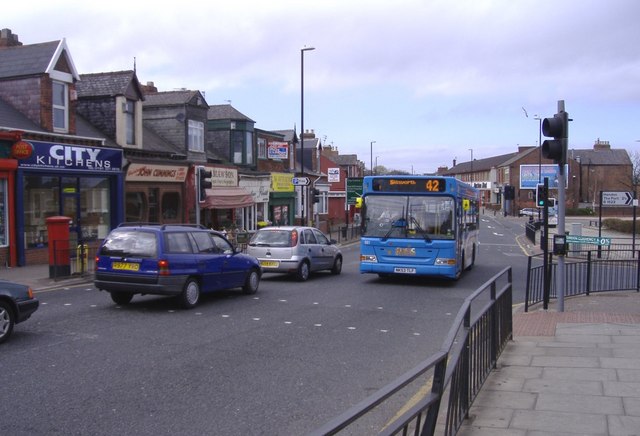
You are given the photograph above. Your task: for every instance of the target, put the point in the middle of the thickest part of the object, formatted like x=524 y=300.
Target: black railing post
x=528 y=285
x=638 y=274
x=588 y=273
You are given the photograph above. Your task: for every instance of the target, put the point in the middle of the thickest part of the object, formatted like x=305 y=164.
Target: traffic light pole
x=560 y=277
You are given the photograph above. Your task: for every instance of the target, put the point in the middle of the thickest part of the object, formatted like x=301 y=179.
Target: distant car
x=17 y=304
x=180 y=260
x=297 y=250
x=529 y=211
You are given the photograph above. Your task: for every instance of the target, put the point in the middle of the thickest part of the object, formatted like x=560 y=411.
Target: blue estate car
x=174 y=259
x=17 y=303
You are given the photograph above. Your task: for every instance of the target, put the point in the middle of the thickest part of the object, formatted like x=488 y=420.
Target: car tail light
x=30 y=292
x=163 y=267
x=294 y=238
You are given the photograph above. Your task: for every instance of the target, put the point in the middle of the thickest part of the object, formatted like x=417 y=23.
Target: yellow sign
x=281 y=182
x=466 y=204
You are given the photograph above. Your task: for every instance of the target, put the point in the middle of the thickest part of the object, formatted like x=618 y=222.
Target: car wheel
x=252 y=282
x=7 y=321
x=121 y=297
x=303 y=271
x=337 y=266
x=190 y=294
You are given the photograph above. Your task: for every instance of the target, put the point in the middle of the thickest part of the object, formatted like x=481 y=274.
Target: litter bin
x=344 y=232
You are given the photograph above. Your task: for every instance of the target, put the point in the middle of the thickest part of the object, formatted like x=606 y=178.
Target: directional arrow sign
x=588 y=240
x=614 y=198
x=300 y=181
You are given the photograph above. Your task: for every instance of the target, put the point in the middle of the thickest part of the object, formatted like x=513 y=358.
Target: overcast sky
x=428 y=81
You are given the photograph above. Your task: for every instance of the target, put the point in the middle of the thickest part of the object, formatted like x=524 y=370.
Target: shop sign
x=333 y=175
x=156 y=173
x=21 y=150
x=277 y=150
x=259 y=188
x=223 y=176
x=281 y=182
x=52 y=155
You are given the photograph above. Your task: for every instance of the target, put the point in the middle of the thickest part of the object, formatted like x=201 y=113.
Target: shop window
x=154 y=215
x=4 y=231
x=136 y=207
x=94 y=207
x=41 y=200
x=171 y=207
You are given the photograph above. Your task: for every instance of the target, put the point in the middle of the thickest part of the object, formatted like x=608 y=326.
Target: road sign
x=300 y=181
x=588 y=240
x=614 y=198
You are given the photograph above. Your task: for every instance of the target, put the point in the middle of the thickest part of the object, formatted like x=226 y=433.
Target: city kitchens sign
x=156 y=173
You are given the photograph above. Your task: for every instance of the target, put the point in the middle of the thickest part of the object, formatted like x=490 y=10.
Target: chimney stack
x=8 y=39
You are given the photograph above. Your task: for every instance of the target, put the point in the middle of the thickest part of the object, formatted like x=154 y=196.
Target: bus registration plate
x=399 y=270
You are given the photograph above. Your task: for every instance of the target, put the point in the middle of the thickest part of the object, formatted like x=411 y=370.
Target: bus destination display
x=409 y=185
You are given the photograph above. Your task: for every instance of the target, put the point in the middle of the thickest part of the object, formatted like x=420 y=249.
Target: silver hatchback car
x=295 y=250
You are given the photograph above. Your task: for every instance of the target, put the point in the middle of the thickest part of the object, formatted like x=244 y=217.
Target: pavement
x=564 y=373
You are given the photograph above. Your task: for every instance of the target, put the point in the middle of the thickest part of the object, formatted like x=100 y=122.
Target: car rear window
x=130 y=243
x=271 y=238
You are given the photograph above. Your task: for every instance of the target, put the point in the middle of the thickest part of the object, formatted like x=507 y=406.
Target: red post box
x=59 y=252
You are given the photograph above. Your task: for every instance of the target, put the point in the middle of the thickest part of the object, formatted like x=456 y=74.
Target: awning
x=227 y=198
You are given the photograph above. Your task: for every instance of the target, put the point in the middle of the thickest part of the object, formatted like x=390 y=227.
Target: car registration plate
x=269 y=263
x=399 y=270
x=126 y=266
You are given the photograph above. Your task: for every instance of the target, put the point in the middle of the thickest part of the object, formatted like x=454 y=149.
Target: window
x=242 y=147
x=262 y=148
x=196 y=135
x=130 y=114
x=60 y=102
x=170 y=206
x=178 y=242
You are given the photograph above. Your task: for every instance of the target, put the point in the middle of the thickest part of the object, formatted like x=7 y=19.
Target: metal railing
x=457 y=371
x=585 y=272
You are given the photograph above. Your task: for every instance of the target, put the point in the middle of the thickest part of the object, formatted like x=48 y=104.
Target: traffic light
x=203 y=182
x=315 y=195
x=558 y=128
x=541 y=196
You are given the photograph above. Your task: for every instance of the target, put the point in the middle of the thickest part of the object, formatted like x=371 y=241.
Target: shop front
x=258 y=186
x=155 y=193
x=282 y=200
x=80 y=182
x=227 y=206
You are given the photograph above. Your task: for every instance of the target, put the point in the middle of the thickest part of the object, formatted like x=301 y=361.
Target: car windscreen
x=129 y=242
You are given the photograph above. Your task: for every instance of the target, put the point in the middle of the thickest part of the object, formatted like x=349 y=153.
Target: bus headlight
x=445 y=261
x=368 y=258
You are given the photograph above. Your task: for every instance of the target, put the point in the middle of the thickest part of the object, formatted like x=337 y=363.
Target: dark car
x=17 y=303
x=295 y=250
x=181 y=260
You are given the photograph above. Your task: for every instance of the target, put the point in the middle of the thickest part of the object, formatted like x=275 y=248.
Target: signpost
x=614 y=198
x=300 y=181
x=589 y=240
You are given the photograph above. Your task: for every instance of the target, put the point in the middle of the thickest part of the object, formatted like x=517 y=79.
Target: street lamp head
x=307 y=48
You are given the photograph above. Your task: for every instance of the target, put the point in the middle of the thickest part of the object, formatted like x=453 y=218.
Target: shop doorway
x=71 y=208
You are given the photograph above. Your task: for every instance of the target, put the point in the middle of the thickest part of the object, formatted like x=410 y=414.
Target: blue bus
x=418 y=225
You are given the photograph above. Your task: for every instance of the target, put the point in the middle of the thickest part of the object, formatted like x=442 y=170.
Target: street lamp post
x=539 y=118
x=371 y=156
x=304 y=188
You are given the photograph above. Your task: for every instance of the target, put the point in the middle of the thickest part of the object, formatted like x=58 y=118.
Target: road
x=281 y=362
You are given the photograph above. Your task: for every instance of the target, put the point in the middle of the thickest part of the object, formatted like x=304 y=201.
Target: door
x=71 y=208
